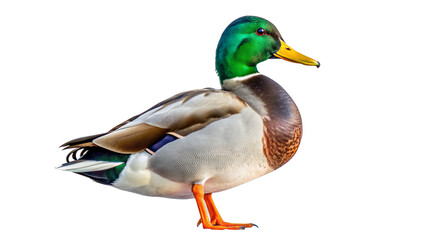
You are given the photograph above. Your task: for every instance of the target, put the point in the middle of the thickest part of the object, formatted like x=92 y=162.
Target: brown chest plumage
x=279 y=148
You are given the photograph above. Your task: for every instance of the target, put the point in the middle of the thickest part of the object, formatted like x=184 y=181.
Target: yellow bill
x=287 y=53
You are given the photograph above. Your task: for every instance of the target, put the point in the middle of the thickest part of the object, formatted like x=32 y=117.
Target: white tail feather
x=88 y=166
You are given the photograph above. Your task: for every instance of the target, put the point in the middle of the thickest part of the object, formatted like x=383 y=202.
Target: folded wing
x=179 y=115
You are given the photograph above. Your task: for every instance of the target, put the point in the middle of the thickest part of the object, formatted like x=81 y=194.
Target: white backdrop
x=75 y=68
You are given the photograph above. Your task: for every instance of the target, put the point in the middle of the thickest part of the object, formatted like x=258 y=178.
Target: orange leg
x=198 y=191
x=216 y=221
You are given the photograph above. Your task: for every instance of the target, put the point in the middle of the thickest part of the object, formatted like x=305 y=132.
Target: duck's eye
x=260 y=31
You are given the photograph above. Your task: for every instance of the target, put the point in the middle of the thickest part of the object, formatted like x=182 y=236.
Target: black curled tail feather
x=76 y=154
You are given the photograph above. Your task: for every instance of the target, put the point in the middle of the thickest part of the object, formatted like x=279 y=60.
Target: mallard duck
x=200 y=142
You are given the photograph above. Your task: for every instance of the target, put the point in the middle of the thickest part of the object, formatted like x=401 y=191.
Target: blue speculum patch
x=165 y=140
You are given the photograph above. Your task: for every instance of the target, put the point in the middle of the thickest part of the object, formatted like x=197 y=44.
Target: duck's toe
x=216 y=222
x=220 y=227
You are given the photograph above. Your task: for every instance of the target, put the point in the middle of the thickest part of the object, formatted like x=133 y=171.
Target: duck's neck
x=265 y=96
x=228 y=70
x=281 y=118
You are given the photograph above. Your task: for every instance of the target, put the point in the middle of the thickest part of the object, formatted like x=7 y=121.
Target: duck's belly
x=224 y=154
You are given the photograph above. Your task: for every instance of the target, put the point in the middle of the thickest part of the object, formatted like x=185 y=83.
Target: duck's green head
x=248 y=41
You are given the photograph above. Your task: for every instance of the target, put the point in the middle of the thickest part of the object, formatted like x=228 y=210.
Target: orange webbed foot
x=216 y=222
x=226 y=224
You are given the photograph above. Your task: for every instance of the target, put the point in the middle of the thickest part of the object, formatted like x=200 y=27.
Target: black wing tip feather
x=80 y=140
